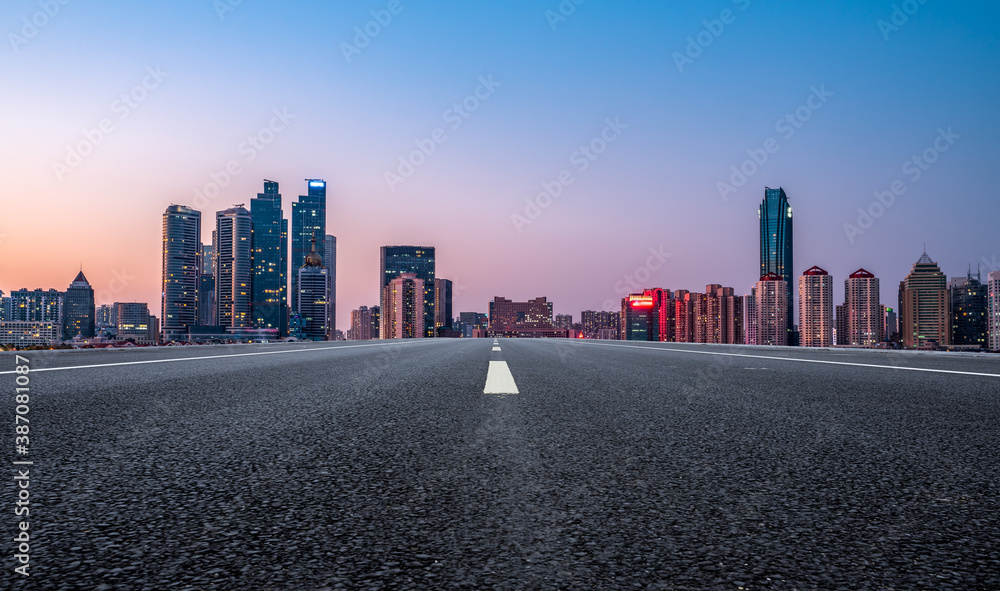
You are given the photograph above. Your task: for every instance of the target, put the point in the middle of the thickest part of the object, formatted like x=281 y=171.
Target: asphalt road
x=615 y=466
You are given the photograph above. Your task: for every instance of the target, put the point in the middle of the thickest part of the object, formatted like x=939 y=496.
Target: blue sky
x=887 y=93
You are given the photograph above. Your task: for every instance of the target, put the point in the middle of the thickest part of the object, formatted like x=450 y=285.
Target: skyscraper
x=5 y=306
x=207 y=305
x=402 y=309
x=78 y=309
x=926 y=306
x=969 y=311
x=179 y=294
x=330 y=262
x=442 y=304
x=993 y=323
x=269 y=303
x=313 y=297
x=862 y=304
x=361 y=325
x=816 y=308
x=648 y=316
x=776 y=242
x=308 y=222
x=772 y=310
x=233 y=285
x=419 y=260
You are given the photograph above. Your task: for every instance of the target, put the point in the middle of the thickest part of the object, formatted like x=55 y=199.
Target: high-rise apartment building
x=776 y=253
x=926 y=306
x=330 y=261
x=751 y=318
x=5 y=304
x=772 y=310
x=313 y=296
x=376 y=312
x=969 y=311
x=993 y=309
x=402 y=310
x=596 y=323
x=308 y=222
x=648 y=316
x=361 y=325
x=443 y=304
x=207 y=304
x=79 y=313
x=180 y=278
x=418 y=260
x=862 y=304
x=816 y=308
x=269 y=301
x=234 y=230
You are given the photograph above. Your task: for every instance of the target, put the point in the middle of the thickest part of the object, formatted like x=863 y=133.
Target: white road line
x=496 y=348
x=672 y=350
x=308 y=350
x=499 y=379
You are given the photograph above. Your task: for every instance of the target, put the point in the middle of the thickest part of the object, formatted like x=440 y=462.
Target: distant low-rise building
x=531 y=319
x=22 y=334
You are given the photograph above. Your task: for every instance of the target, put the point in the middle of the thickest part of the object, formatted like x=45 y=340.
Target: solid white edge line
x=302 y=350
x=947 y=371
x=499 y=380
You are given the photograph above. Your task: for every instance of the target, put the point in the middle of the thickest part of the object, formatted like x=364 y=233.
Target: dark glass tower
x=969 y=311
x=411 y=259
x=270 y=261
x=308 y=220
x=78 y=309
x=181 y=248
x=233 y=282
x=776 y=241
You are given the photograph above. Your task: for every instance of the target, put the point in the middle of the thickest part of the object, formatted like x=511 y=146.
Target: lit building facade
x=816 y=308
x=595 y=324
x=269 y=300
x=134 y=323
x=233 y=285
x=22 y=334
x=443 y=304
x=361 y=325
x=969 y=311
x=313 y=297
x=776 y=252
x=648 y=316
x=79 y=311
x=862 y=305
x=308 y=222
x=330 y=262
x=207 y=305
x=180 y=278
x=772 y=310
x=925 y=306
x=402 y=310
x=531 y=319
x=993 y=309
x=418 y=260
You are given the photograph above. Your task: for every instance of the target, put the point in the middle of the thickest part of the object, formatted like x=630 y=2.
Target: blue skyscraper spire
x=308 y=220
x=776 y=240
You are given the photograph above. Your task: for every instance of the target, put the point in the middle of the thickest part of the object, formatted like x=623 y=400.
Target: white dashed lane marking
x=499 y=379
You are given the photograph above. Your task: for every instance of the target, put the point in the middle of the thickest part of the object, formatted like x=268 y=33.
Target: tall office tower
x=776 y=242
x=402 y=308
x=269 y=300
x=841 y=333
x=132 y=323
x=442 y=304
x=969 y=311
x=648 y=316
x=891 y=325
x=993 y=309
x=772 y=310
x=862 y=301
x=330 y=260
x=314 y=294
x=816 y=308
x=207 y=305
x=926 y=306
x=179 y=293
x=418 y=260
x=752 y=320
x=563 y=321
x=361 y=325
x=78 y=309
x=233 y=283
x=308 y=222
x=376 y=321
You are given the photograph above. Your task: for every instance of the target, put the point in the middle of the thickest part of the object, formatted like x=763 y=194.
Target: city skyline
x=890 y=133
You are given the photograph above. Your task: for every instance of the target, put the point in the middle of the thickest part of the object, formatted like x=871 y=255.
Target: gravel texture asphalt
x=617 y=466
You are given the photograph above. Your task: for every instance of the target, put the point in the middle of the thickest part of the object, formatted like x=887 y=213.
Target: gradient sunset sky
x=696 y=84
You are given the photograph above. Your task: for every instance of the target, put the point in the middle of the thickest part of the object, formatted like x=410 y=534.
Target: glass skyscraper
x=270 y=261
x=396 y=260
x=308 y=221
x=235 y=267
x=776 y=241
x=181 y=248
x=330 y=262
x=78 y=309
